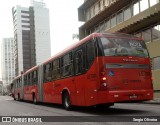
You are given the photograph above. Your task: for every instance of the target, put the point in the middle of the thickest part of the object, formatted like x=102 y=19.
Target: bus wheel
x=34 y=99
x=66 y=101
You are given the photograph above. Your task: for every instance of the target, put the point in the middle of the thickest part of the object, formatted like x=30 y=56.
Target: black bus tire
x=66 y=101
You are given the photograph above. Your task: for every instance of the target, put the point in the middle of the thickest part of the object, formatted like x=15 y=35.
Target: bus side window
x=44 y=73
x=29 y=79
x=90 y=54
x=25 y=80
x=32 y=77
x=48 y=71
x=56 y=69
x=17 y=84
x=67 y=65
x=35 y=77
x=79 y=62
x=20 y=82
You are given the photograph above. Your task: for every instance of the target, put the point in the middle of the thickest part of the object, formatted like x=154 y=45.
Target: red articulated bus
x=99 y=70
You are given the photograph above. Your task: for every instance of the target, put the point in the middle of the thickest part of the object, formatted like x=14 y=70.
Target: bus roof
x=17 y=77
x=93 y=35
x=117 y=34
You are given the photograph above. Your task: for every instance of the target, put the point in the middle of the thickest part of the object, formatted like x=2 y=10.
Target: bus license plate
x=133 y=97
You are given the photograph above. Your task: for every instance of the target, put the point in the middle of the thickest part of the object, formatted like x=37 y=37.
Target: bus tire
x=66 y=101
x=34 y=99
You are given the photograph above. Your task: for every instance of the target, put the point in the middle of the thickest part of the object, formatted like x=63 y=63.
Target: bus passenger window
x=67 y=69
x=56 y=69
x=79 y=62
x=90 y=54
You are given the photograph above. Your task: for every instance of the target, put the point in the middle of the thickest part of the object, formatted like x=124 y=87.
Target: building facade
x=7 y=59
x=31 y=35
x=138 y=17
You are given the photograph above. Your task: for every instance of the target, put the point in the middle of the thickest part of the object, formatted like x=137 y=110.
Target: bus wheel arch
x=66 y=101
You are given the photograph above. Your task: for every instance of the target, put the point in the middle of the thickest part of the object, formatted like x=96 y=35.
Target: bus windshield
x=124 y=47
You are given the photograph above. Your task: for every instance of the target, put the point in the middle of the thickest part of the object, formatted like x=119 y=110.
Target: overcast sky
x=63 y=21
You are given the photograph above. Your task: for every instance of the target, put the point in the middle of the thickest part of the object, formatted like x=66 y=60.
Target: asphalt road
x=84 y=115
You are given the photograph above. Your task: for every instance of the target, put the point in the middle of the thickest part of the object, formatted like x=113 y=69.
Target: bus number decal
x=135 y=44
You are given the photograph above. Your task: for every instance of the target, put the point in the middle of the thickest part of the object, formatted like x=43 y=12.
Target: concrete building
x=138 y=17
x=7 y=59
x=31 y=35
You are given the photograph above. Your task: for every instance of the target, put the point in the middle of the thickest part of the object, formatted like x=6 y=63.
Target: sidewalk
x=154 y=101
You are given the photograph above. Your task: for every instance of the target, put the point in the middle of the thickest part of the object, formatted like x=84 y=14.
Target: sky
x=63 y=21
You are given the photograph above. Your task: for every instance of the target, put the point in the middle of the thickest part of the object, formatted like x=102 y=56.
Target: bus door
x=79 y=79
x=91 y=66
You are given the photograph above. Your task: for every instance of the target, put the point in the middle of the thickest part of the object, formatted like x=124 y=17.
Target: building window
x=24 y=16
x=119 y=17
x=25 y=21
x=92 y=11
x=138 y=35
x=106 y=3
x=153 y=2
x=113 y=21
x=97 y=29
x=156 y=63
x=127 y=13
x=23 y=11
x=92 y=30
x=107 y=24
x=88 y=15
x=97 y=8
x=112 y=1
x=101 y=5
x=143 y=5
x=146 y=35
x=136 y=8
x=102 y=27
x=156 y=32
x=25 y=26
